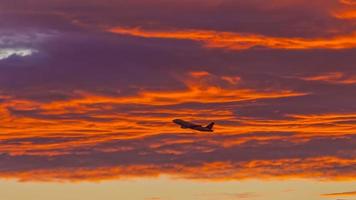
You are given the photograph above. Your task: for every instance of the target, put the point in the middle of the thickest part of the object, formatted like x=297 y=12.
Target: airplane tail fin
x=210 y=126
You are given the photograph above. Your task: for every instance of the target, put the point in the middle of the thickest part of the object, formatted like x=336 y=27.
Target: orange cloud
x=199 y=74
x=348 y=2
x=240 y=41
x=91 y=114
x=340 y=194
x=232 y=80
x=348 y=14
x=333 y=77
x=213 y=171
x=134 y=123
x=306 y=125
x=92 y=125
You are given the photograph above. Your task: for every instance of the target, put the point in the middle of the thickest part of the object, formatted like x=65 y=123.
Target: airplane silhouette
x=184 y=124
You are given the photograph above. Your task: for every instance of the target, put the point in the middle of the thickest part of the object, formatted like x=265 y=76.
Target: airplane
x=184 y=124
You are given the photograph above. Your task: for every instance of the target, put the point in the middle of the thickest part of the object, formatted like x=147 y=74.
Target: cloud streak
x=236 y=41
x=333 y=78
x=340 y=194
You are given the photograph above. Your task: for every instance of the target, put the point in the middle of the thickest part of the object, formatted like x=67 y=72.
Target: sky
x=89 y=89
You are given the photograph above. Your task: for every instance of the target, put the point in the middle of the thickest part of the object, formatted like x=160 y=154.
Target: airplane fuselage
x=185 y=125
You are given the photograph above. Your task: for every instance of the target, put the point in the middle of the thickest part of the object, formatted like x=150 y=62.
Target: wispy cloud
x=230 y=196
x=348 y=2
x=340 y=194
x=347 y=14
x=22 y=52
x=241 y=41
x=333 y=78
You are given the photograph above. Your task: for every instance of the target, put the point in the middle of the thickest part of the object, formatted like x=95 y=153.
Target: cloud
x=239 y=41
x=277 y=77
x=347 y=14
x=59 y=125
x=146 y=112
x=199 y=74
x=22 y=52
x=340 y=194
x=153 y=198
x=333 y=78
x=189 y=156
x=232 y=80
x=232 y=196
x=348 y=2
x=13 y=43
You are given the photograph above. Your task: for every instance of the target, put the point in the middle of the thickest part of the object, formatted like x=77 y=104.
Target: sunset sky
x=89 y=89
